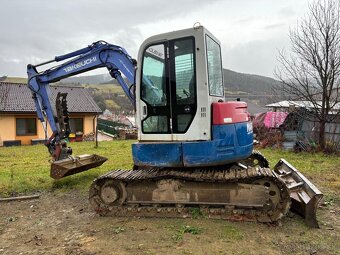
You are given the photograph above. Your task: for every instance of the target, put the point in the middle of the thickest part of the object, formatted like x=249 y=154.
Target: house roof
x=303 y=104
x=287 y=104
x=17 y=97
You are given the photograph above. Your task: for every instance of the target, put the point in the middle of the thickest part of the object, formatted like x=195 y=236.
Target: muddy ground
x=63 y=223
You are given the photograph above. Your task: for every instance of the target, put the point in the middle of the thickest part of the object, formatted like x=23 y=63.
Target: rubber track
x=234 y=174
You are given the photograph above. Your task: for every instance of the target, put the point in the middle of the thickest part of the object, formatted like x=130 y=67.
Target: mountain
x=13 y=79
x=108 y=94
x=88 y=79
x=234 y=82
x=249 y=83
x=250 y=87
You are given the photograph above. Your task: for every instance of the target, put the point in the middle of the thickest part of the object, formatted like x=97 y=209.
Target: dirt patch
x=63 y=223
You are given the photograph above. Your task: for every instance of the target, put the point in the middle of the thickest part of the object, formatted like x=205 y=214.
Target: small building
x=301 y=119
x=18 y=120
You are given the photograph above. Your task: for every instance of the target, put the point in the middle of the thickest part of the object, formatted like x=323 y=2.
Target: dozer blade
x=74 y=165
x=304 y=195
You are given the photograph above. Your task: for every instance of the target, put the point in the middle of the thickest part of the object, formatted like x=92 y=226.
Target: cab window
x=214 y=64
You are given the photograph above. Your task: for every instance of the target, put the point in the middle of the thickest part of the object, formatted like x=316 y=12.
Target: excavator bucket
x=304 y=195
x=74 y=165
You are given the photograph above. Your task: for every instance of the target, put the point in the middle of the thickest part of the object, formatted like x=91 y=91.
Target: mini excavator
x=194 y=149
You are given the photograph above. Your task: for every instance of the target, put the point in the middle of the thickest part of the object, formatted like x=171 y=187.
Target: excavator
x=194 y=150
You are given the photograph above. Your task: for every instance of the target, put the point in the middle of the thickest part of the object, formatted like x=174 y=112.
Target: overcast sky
x=251 y=32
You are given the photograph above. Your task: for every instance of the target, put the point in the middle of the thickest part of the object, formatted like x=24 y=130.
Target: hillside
x=249 y=83
x=234 y=82
x=13 y=79
x=88 y=79
x=108 y=94
x=250 y=87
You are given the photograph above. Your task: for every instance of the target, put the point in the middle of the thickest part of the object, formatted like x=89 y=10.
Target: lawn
x=26 y=170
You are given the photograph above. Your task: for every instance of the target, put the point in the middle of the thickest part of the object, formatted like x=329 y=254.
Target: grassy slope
x=16 y=80
x=107 y=88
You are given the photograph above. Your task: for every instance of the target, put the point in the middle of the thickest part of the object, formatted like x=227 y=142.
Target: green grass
x=111 y=104
x=306 y=162
x=178 y=236
x=323 y=170
x=26 y=169
x=106 y=88
x=231 y=232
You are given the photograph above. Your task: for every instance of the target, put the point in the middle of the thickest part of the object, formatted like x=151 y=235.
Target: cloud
x=274 y=26
x=42 y=29
x=37 y=30
x=257 y=57
x=287 y=11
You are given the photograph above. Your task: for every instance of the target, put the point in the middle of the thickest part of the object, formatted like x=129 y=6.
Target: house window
x=26 y=126
x=76 y=125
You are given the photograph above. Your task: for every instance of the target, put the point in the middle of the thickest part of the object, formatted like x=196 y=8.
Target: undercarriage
x=236 y=192
x=253 y=194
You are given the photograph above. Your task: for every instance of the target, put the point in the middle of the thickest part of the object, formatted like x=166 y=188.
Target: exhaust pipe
x=305 y=196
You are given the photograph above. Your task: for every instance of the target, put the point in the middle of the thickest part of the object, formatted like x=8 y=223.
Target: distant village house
x=18 y=120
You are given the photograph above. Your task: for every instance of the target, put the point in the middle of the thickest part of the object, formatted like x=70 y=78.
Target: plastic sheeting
x=271 y=119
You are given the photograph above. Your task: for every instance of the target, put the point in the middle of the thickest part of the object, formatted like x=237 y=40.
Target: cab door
x=155 y=91
x=182 y=83
x=168 y=87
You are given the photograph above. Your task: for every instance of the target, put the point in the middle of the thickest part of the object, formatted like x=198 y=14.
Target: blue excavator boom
x=97 y=55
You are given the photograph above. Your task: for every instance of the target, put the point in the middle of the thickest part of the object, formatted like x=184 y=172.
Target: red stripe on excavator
x=229 y=112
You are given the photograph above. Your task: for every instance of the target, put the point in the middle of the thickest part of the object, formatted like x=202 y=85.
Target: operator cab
x=178 y=77
x=181 y=115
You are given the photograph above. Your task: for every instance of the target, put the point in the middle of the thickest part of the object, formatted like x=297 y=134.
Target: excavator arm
x=97 y=55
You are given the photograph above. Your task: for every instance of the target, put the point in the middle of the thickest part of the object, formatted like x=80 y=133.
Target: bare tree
x=311 y=71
